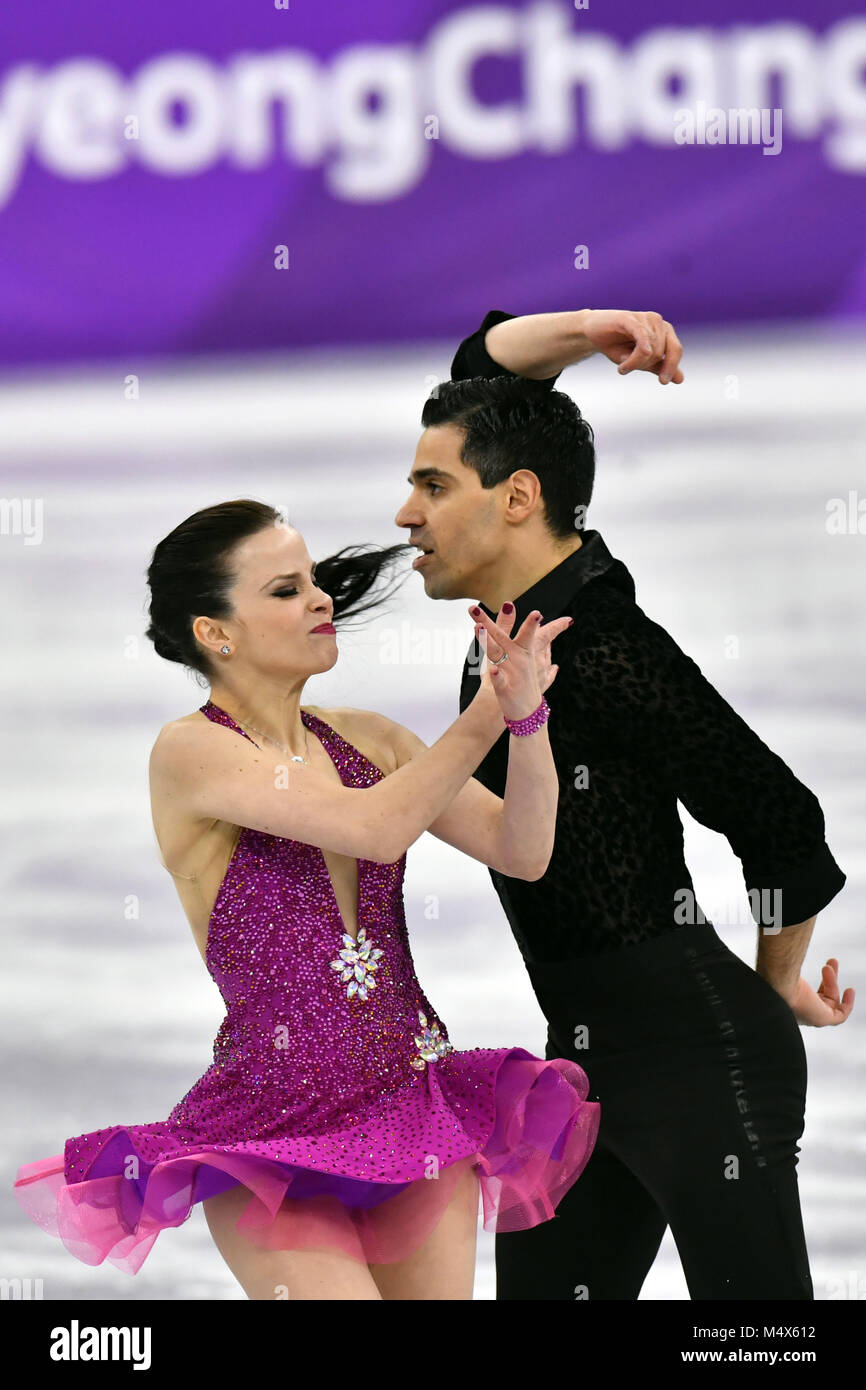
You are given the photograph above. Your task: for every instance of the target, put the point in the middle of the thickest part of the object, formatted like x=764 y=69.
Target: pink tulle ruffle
x=542 y=1136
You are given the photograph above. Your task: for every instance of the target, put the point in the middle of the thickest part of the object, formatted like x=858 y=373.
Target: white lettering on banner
x=558 y=61
x=77 y=136
x=360 y=116
x=19 y=113
x=259 y=80
x=381 y=153
x=472 y=128
x=195 y=143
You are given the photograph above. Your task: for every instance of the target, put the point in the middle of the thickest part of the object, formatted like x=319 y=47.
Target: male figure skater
x=697 y=1059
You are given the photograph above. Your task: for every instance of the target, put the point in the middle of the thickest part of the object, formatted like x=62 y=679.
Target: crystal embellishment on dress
x=311 y=1094
x=357 y=963
x=430 y=1044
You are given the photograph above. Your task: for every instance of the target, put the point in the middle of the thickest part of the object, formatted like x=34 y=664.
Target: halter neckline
x=305 y=715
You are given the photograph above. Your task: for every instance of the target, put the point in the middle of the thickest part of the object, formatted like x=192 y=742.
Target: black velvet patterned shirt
x=635 y=728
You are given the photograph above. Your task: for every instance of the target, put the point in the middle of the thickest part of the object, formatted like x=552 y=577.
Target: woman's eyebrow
x=294 y=575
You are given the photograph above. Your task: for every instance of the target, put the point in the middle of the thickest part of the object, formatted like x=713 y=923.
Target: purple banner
x=206 y=177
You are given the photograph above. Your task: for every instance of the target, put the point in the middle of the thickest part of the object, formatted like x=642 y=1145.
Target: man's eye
x=438 y=486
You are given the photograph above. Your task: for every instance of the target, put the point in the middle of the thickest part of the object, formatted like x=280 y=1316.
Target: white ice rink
x=715 y=494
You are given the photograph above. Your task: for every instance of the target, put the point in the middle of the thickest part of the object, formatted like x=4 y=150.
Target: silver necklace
x=293 y=757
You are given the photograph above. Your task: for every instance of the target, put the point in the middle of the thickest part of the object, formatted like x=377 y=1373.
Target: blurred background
x=239 y=250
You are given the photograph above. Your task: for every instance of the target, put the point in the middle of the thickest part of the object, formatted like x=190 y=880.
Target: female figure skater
x=338 y=1141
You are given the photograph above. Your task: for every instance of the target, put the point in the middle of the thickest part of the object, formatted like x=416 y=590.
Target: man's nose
x=404 y=516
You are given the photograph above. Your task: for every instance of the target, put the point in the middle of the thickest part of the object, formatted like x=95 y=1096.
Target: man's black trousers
x=700 y=1070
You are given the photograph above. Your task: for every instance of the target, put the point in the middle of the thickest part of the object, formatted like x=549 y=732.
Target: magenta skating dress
x=334 y=1096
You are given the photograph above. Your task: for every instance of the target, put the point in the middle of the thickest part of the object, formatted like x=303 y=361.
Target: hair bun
x=164 y=645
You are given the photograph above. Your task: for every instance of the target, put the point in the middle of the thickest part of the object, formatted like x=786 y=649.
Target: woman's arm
x=207 y=772
x=513 y=835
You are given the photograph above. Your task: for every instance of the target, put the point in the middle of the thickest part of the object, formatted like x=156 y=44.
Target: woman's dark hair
x=191 y=574
x=512 y=422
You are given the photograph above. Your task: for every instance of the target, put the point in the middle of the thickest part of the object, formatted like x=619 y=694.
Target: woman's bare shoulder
x=178 y=738
x=375 y=735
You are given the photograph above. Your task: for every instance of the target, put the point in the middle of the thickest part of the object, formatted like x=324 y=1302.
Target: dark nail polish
x=508 y=607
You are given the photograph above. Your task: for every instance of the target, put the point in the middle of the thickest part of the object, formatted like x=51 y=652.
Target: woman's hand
x=519 y=682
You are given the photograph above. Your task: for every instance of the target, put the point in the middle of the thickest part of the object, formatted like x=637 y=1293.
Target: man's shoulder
x=602 y=604
x=610 y=622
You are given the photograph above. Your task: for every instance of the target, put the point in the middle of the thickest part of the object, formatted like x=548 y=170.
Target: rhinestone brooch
x=430 y=1044
x=357 y=964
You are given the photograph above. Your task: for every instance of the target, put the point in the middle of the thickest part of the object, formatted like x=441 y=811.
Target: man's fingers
x=847 y=999
x=637 y=358
x=829 y=986
x=672 y=354
x=829 y=991
x=648 y=343
x=654 y=327
x=640 y=354
x=656 y=347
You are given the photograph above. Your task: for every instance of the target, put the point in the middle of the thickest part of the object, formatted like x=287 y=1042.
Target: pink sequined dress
x=334 y=1096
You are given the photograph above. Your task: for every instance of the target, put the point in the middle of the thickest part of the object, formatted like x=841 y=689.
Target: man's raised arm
x=540 y=346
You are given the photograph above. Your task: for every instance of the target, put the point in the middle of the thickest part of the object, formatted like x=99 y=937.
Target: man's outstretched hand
x=636 y=342
x=823 y=1006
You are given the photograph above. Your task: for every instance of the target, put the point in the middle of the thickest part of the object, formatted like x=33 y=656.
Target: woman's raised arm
x=210 y=772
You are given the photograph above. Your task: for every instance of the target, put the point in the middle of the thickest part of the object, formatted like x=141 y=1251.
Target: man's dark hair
x=514 y=422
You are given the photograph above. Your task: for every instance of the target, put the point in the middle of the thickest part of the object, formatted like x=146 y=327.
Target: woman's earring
x=225 y=650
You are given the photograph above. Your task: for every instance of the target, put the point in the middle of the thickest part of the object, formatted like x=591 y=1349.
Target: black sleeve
x=473 y=359
x=639 y=690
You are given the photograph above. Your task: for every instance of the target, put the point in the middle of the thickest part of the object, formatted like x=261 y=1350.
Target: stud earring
x=225 y=650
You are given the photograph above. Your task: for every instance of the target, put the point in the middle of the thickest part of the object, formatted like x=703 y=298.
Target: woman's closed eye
x=287 y=593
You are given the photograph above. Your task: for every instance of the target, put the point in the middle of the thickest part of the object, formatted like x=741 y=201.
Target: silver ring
x=500 y=661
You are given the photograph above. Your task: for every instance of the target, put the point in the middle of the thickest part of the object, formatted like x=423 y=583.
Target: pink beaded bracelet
x=533 y=721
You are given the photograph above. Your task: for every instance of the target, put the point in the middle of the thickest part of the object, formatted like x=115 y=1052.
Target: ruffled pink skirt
x=541 y=1137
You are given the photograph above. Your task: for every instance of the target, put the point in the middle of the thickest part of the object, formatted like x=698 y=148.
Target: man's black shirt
x=635 y=727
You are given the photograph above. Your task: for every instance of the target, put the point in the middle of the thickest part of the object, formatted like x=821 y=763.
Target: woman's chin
x=328 y=658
